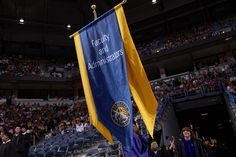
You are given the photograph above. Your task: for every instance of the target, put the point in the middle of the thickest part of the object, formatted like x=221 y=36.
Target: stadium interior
x=187 y=47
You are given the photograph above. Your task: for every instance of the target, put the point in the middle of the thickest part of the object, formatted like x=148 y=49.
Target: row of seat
x=106 y=150
x=68 y=143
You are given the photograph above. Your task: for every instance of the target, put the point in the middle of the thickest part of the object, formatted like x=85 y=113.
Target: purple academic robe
x=139 y=147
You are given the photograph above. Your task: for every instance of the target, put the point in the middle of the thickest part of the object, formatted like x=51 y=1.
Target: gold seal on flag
x=120 y=114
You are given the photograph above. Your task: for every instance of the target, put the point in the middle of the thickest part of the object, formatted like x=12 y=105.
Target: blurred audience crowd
x=205 y=80
x=32 y=122
x=43 y=120
x=19 y=65
x=40 y=122
x=186 y=37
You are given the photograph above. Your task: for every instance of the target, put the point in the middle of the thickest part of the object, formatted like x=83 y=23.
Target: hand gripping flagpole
x=95 y=14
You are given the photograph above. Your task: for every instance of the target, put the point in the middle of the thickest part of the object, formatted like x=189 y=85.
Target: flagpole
x=95 y=15
x=124 y=1
x=93 y=7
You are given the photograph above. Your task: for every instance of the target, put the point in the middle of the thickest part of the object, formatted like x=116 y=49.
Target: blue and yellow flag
x=111 y=70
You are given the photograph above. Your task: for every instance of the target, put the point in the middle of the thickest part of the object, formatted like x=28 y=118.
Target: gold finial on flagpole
x=124 y=1
x=93 y=7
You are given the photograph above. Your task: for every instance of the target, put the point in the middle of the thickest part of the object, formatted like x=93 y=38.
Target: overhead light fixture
x=21 y=21
x=219 y=124
x=228 y=38
x=154 y=1
x=68 y=27
x=204 y=114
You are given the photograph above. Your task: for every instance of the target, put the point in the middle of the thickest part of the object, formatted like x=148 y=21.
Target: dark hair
x=187 y=129
x=24 y=126
x=8 y=134
x=137 y=125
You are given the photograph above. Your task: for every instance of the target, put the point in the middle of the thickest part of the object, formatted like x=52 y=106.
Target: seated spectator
x=62 y=128
x=79 y=126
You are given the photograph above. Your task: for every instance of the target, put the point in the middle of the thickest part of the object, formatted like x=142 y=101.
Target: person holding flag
x=140 y=145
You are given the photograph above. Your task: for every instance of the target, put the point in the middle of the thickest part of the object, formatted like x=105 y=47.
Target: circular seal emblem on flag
x=120 y=114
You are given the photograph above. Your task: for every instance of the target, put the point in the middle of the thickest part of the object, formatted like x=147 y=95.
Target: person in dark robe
x=19 y=141
x=154 y=150
x=219 y=150
x=26 y=141
x=189 y=146
x=7 y=148
x=140 y=144
x=163 y=151
x=0 y=138
x=167 y=151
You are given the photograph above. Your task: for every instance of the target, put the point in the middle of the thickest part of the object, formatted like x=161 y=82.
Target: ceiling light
x=21 y=21
x=68 y=27
x=154 y=1
x=204 y=114
x=228 y=38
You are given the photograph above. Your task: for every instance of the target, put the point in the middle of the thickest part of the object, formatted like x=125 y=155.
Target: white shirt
x=79 y=127
x=6 y=141
x=24 y=133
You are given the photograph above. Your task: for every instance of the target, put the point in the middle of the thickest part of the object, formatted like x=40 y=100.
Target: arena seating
x=186 y=37
x=19 y=65
x=44 y=116
x=209 y=80
x=69 y=143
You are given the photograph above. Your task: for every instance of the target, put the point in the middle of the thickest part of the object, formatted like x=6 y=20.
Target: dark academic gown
x=199 y=148
x=8 y=150
x=19 y=143
x=26 y=142
x=155 y=154
x=162 y=153
x=139 y=147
